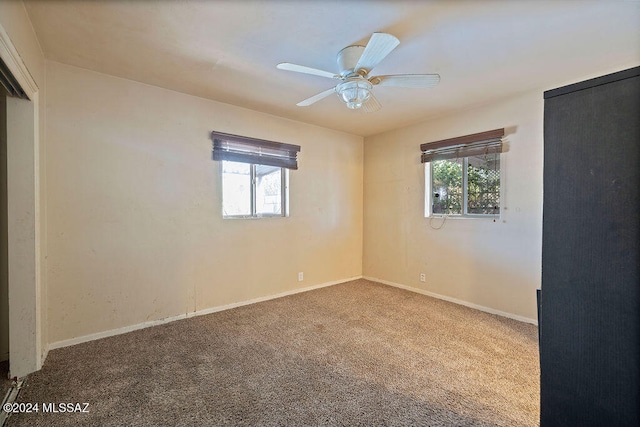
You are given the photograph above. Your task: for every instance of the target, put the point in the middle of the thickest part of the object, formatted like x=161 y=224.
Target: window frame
x=284 y=194
x=428 y=199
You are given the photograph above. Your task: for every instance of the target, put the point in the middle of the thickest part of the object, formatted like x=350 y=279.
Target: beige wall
x=30 y=327
x=496 y=265
x=134 y=210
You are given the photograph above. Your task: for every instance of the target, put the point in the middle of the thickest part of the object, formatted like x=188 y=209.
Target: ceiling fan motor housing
x=348 y=59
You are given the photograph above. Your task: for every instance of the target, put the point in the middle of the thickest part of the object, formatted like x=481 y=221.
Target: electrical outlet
x=423 y=277
x=300 y=276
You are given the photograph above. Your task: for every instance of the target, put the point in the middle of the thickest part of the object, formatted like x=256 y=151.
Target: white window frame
x=284 y=194
x=428 y=194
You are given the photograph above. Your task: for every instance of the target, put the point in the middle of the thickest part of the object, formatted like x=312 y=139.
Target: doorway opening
x=18 y=156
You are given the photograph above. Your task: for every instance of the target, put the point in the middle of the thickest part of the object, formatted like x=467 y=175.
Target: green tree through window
x=466 y=186
x=447 y=187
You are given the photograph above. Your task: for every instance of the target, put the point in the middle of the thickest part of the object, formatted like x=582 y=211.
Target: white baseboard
x=125 y=329
x=45 y=353
x=455 y=301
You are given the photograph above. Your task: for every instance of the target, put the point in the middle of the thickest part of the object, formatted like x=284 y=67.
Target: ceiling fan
x=355 y=63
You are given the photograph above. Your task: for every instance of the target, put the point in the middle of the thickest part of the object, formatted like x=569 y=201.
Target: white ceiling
x=228 y=50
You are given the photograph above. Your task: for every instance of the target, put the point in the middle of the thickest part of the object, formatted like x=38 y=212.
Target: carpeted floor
x=354 y=354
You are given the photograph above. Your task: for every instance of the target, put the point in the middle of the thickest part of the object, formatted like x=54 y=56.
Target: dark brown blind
x=251 y=150
x=463 y=146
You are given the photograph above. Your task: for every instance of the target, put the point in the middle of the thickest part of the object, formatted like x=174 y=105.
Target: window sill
x=448 y=217
x=253 y=217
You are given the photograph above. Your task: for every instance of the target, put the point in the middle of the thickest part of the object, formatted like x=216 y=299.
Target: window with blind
x=254 y=175
x=462 y=175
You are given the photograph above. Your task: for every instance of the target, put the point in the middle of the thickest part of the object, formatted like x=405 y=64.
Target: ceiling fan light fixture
x=354 y=92
x=355 y=63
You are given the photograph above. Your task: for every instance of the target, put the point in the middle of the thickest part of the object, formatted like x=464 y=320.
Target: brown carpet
x=354 y=354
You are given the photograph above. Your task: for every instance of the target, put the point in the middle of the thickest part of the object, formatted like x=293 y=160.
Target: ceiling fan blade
x=316 y=98
x=407 y=80
x=307 y=70
x=371 y=105
x=379 y=46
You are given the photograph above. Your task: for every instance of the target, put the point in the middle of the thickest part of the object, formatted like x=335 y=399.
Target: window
x=255 y=175
x=250 y=190
x=462 y=175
